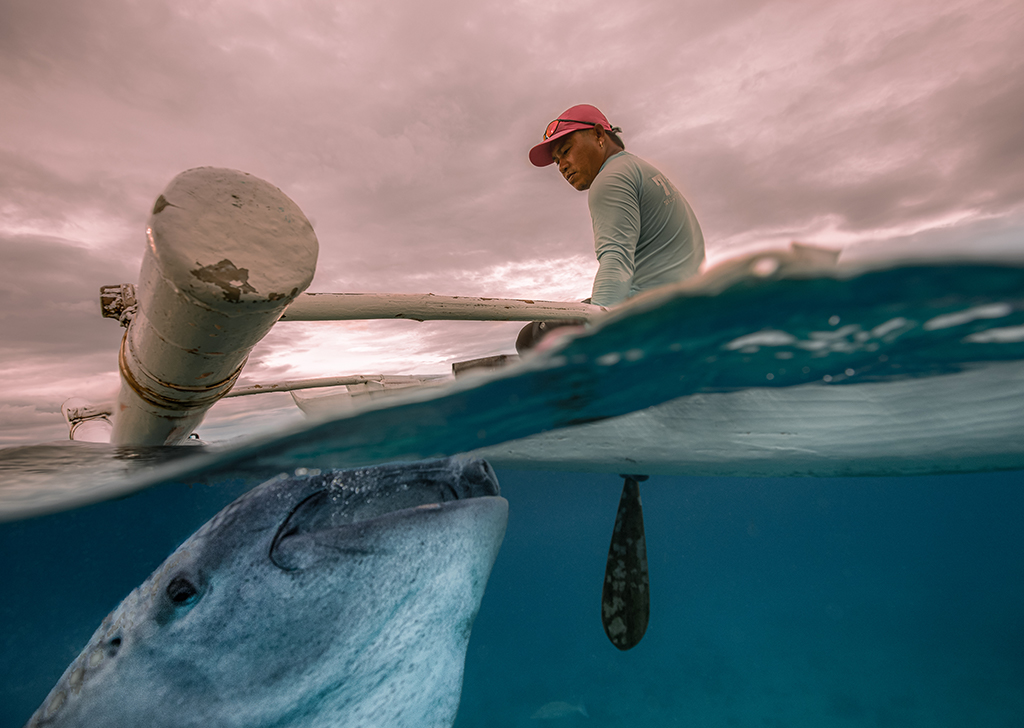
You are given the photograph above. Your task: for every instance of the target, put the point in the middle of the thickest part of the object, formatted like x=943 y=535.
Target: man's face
x=579 y=157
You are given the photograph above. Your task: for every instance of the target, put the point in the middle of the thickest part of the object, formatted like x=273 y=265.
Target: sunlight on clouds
x=779 y=63
x=324 y=349
x=549 y=7
x=31 y=410
x=828 y=231
x=957 y=234
x=50 y=382
x=298 y=350
x=30 y=425
x=553 y=279
x=94 y=233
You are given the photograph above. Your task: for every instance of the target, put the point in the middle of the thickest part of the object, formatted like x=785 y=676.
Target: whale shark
x=341 y=598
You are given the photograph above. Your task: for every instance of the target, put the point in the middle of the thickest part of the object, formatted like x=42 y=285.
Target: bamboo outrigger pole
x=428 y=307
x=383 y=380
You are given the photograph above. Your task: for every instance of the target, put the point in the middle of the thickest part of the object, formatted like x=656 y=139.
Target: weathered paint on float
x=226 y=254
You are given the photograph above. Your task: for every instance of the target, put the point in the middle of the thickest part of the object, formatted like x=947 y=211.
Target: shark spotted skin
x=340 y=599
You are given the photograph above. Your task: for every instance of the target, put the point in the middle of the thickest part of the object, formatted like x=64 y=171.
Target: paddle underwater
x=626 y=596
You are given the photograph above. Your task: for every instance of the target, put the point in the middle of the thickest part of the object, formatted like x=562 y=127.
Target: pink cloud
x=401 y=129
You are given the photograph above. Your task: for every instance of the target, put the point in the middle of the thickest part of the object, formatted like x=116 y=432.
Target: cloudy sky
x=401 y=128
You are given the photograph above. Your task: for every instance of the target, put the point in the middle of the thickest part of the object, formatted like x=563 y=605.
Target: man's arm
x=612 y=282
x=615 y=211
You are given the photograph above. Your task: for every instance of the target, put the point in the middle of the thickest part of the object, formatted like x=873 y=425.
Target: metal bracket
x=87 y=422
x=118 y=302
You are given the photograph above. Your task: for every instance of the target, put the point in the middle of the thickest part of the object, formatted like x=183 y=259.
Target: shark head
x=344 y=598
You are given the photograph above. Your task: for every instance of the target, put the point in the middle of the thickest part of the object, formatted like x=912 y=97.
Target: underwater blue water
x=775 y=602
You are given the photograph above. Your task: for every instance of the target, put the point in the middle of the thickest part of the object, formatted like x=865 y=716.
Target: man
x=645 y=233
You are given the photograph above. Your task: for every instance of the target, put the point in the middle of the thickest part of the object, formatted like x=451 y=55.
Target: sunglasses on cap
x=553 y=126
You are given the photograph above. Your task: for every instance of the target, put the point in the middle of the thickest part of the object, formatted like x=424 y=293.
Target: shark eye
x=181 y=590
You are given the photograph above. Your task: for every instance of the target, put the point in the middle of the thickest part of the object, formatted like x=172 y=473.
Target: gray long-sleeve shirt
x=645 y=233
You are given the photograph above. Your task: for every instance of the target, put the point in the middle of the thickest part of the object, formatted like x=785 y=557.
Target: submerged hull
x=965 y=422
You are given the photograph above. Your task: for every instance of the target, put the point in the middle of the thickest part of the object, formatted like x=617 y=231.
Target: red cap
x=572 y=119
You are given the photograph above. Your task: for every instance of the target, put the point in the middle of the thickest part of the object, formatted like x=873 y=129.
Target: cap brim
x=540 y=155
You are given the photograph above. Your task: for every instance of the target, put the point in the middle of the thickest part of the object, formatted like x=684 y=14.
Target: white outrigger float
x=230 y=255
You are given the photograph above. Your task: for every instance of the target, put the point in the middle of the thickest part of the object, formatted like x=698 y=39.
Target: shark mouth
x=349 y=497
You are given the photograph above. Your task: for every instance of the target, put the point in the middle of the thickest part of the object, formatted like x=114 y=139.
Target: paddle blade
x=626 y=599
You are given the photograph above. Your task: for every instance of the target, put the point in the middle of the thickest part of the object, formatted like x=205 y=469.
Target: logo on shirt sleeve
x=666 y=187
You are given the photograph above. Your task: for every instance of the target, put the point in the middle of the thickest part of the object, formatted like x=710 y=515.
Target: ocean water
x=747 y=370
x=776 y=602
x=784 y=602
